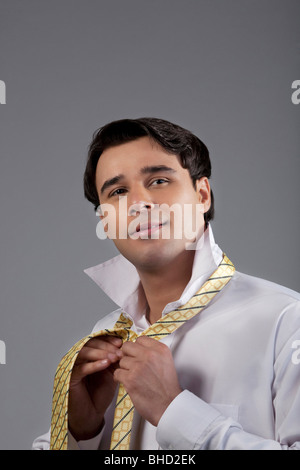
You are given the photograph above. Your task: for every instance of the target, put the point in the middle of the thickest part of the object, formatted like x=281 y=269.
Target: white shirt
x=237 y=362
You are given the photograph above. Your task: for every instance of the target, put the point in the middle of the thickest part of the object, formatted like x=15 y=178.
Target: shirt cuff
x=184 y=422
x=89 y=444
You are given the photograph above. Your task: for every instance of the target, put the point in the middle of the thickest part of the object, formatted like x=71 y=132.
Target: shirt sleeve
x=89 y=444
x=191 y=423
x=43 y=442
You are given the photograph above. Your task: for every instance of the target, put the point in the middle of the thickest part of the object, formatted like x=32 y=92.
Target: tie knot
x=122 y=329
x=123 y=322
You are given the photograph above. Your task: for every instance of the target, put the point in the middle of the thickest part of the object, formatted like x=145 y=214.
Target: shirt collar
x=119 y=279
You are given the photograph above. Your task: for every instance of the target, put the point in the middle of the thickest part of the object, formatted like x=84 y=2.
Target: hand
x=92 y=386
x=148 y=374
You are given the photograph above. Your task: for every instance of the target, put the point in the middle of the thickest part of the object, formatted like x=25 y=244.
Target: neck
x=166 y=284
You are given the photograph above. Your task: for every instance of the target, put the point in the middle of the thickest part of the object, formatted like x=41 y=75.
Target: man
x=229 y=377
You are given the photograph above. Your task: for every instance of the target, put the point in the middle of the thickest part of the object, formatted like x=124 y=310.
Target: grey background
x=221 y=68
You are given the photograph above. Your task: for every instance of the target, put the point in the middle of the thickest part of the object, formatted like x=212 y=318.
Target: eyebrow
x=111 y=182
x=144 y=171
x=156 y=169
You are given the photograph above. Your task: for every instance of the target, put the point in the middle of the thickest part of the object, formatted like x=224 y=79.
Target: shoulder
x=261 y=288
x=268 y=304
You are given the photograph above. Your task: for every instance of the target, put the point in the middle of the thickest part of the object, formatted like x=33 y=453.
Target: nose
x=140 y=206
x=139 y=200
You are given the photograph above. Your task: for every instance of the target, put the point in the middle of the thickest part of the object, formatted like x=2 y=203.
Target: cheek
x=182 y=193
x=109 y=222
x=187 y=221
x=121 y=221
x=115 y=220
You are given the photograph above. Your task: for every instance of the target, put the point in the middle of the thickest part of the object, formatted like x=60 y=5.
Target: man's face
x=140 y=181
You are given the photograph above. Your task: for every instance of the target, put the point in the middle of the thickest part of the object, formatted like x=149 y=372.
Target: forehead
x=131 y=156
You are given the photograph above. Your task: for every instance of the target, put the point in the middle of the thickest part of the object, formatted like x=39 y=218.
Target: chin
x=151 y=254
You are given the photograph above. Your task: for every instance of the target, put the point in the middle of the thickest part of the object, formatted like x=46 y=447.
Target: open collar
x=119 y=279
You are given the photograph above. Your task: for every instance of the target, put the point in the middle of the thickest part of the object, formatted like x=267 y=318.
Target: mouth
x=147 y=230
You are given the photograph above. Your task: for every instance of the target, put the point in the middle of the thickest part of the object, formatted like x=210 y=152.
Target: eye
x=117 y=192
x=158 y=181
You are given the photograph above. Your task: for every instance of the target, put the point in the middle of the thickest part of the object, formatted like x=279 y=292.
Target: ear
x=203 y=192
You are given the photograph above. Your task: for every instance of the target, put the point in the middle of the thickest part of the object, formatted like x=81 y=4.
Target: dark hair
x=193 y=153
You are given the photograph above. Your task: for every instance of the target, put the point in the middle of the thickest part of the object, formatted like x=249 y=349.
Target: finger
x=88 y=354
x=110 y=339
x=151 y=343
x=148 y=342
x=108 y=343
x=119 y=376
x=82 y=370
x=132 y=349
x=137 y=348
x=115 y=340
x=126 y=362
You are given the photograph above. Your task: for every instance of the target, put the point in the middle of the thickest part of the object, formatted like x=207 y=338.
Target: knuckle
x=151 y=356
x=164 y=349
x=125 y=345
x=122 y=362
x=116 y=374
x=142 y=339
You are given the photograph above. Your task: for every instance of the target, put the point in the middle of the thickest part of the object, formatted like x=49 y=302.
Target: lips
x=147 y=230
x=147 y=227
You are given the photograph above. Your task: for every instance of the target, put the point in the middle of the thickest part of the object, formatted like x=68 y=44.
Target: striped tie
x=124 y=409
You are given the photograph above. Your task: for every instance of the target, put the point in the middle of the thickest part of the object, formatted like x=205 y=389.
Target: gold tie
x=120 y=439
